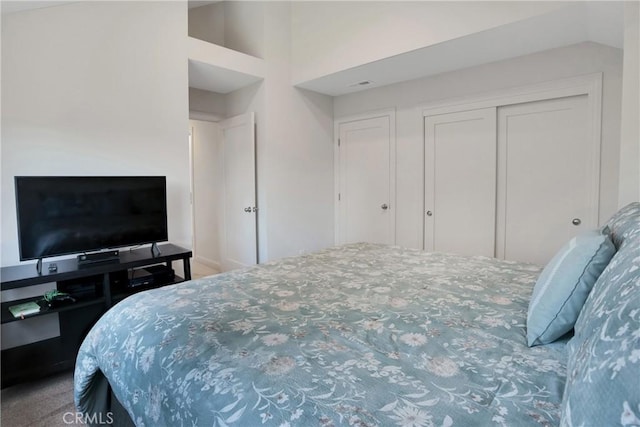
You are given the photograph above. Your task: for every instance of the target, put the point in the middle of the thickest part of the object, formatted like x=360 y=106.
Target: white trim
x=391 y=114
x=191 y=186
x=204 y=116
x=208 y=263
x=372 y=114
x=588 y=84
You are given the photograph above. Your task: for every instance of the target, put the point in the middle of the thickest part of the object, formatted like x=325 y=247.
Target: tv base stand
x=155 y=251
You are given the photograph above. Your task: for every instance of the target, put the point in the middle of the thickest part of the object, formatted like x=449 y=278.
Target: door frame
x=391 y=114
x=193 y=200
x=588 y=84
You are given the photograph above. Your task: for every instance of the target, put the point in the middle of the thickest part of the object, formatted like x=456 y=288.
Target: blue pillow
x=603 y=358
x=564 y=284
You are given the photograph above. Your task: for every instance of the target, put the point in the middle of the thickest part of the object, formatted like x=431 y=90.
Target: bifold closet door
x=546 y=178
x=460 y=182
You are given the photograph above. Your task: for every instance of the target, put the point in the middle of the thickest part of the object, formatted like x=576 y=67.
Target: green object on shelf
x=24 y=309
x=51 y=295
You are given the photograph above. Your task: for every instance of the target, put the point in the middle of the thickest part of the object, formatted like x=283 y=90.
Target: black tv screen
x=72 y=214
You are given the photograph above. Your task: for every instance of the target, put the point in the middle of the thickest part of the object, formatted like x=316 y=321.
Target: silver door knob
x=384 y=207
x=429 y=213
x=247 y=209
x=576 y=221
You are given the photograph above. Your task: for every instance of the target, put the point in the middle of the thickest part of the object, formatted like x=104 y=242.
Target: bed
x=368 y=335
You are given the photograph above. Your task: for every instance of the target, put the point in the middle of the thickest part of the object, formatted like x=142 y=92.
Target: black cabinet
x=95 y=287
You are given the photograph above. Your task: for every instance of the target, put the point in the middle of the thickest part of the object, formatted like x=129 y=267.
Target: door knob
x=247 y=209
x=576 y=221
x=384 y=207
x=429 y=213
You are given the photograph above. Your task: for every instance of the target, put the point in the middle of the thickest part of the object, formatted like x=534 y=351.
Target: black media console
x=96 y=287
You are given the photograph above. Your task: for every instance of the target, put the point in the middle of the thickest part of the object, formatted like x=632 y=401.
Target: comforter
x=359 y=335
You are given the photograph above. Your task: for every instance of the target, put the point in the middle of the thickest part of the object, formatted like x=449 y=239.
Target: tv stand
x=98 y=287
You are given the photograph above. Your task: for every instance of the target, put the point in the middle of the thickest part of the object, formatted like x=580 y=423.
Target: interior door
x=206 y=191
x=239 y=238
x=365 y=191
x=545 y=191
x=460 y=182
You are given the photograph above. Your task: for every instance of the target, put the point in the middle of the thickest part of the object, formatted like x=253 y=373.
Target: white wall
x=207 y=102
x=630 y=128
x=94 y=88
x=235 y=25
x=408 y=97
x=334 y=36
x=244 y=27
x=299 y=175
x=207 y=23
x=89 y=89
x=294 y=147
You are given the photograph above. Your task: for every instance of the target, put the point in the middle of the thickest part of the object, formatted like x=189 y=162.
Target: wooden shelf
x=8 y=317
x=116 y=298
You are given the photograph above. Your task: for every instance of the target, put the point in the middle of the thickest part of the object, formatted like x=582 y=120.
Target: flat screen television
x=61 y=215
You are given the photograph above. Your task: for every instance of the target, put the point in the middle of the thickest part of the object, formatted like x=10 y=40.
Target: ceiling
x=212 y=78
x=19 y=6
x=600 y=22
x=11 y=6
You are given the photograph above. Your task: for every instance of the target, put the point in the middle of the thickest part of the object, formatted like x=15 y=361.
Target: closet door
x=365 y=176
x=460 y=182
x=546 y=176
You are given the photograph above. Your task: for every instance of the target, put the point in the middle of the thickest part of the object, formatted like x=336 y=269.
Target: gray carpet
x=47 y=403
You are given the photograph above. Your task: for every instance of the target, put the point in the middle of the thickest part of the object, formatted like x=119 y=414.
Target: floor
x=200 y=270
x=47 y=402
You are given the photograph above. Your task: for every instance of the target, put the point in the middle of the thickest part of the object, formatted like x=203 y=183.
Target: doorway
x=223 y=192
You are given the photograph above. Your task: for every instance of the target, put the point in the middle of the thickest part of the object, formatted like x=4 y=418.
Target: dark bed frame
x=120 y=415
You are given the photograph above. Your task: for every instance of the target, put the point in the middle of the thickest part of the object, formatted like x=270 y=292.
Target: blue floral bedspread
x=358 y=335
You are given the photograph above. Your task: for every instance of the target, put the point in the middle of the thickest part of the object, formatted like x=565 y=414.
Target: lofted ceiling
x=600 y=22
x=12 y=6
x=595 y=21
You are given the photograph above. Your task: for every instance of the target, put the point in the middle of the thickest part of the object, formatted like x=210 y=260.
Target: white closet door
x=365 y=181
x=460 y=177
x=546 y=176
x=239 y=247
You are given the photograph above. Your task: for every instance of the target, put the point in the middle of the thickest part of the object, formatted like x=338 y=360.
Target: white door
x=546 y=175
x=239 y=239
x=365 y=173
x=206 y=191
x=460 y=182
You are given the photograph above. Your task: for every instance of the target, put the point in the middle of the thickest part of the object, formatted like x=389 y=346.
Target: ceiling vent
x=361 y=84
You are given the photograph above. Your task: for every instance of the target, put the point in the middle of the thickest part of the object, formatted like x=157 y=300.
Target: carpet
x=47 y=403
